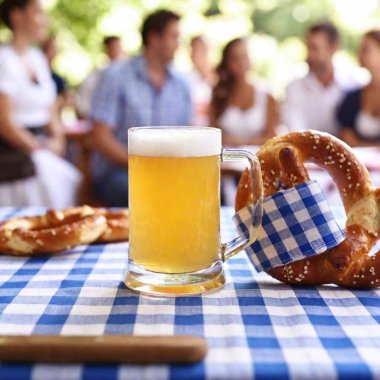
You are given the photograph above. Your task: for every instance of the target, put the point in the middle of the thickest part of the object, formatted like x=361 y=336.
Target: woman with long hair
x=245 y=111
x=31 y=137
x=359 y=113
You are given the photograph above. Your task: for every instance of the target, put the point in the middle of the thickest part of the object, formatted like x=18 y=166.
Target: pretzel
x=50 y=233
x=117 y=226
x=348 y=264
x=60 y=230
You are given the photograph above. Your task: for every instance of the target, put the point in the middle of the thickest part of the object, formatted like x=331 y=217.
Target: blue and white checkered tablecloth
x=255 y=327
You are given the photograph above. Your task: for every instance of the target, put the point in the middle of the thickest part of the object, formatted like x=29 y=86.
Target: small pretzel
x=348 y=264
x=60 y=230
x=117 y=226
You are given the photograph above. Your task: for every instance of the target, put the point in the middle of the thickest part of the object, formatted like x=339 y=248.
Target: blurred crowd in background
x=40 y=162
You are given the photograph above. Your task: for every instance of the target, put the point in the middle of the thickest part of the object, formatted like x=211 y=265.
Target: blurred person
x=113 y=48
x=50 y=49
x=146 y=90
x=245 y=111
x=65 y=97
x=114 y=52
x=311 y=101
x=201 y=80
x=31 y=138
x=359 y=113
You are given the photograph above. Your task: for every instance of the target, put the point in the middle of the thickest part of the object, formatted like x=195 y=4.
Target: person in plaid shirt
x=143 y=91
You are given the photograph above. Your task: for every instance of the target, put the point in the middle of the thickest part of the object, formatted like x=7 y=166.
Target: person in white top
x=311 y=101
x=245 y=111
x=201 y=80
x=31 y=138
x=115 y=52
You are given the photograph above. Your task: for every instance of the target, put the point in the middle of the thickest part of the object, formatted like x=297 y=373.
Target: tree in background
x=275 y=27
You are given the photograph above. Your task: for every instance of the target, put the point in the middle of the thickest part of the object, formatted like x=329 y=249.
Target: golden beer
x=174 y=213
x=174 y=208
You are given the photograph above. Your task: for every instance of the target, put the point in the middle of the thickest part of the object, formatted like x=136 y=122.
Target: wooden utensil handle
x=102 y=349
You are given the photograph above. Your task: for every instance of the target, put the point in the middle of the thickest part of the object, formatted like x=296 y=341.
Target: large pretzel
x=282 y=160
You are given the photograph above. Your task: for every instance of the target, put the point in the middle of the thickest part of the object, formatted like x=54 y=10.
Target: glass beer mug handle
x=239 y=243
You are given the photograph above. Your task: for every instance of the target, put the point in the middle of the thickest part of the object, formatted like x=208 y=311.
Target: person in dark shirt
x=359 y=112
x=60 y=83
x=50 y=49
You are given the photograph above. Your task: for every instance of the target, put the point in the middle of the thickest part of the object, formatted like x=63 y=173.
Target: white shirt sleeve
x=7 y=86
x=31 y=103
x=293 y=112
x=86 y=91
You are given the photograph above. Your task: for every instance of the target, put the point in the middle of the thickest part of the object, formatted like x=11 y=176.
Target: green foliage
x=81 y=19
x=278 y=18
x=278 y=25
x=290 y=18
x=212 y=9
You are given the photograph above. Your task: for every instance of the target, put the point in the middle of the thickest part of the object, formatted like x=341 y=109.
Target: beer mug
x=174 y=206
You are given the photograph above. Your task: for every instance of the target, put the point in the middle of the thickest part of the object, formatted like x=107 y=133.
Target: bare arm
x=237 y=141
x=18 y=137
x=105 y=142
x=350 y=137
x=272 y=118
x=57 y=140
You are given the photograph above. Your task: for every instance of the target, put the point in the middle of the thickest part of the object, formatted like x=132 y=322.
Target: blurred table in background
x=369 y=156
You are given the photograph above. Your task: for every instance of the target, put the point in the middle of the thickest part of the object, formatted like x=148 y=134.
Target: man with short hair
x=113 y=48
x=144 y=91
x=311 y=101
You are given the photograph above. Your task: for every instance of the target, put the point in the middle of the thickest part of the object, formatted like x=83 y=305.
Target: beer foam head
x=174 y=142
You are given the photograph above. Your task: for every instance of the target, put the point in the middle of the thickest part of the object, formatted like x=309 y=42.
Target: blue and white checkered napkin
x=297 y=223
